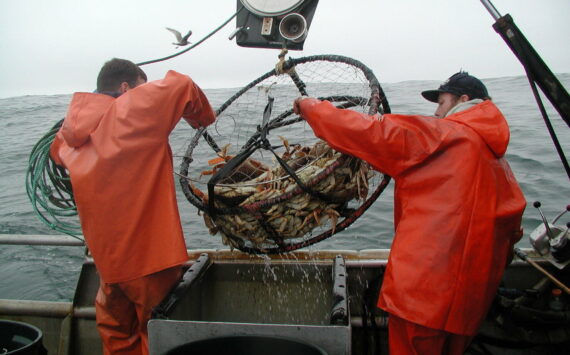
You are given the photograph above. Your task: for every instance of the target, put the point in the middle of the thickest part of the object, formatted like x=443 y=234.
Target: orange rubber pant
x=123 y=310
x=407 y=338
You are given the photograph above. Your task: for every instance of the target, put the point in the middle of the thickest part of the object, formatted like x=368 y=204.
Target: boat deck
x=69 y=327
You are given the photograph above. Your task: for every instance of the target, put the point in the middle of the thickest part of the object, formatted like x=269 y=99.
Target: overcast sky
x=58 y=47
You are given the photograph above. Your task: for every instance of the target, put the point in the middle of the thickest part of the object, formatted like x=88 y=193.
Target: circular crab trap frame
x=261 y=178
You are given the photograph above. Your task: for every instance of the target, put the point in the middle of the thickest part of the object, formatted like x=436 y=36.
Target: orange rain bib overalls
x=120 y=163
x=458 y=207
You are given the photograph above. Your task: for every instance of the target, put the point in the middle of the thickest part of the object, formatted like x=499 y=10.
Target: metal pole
x=35 y=239
x=491 y=8
x=525 y=257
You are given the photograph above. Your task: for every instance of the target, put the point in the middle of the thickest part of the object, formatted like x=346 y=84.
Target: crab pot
x=296 y=306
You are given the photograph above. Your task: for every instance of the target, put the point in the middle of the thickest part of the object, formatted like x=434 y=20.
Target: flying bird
x=181 y=41
x=266 y=88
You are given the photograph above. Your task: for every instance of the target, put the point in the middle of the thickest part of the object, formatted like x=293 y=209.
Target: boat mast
x=537 y=72
x=531 y=61
x=491 y=8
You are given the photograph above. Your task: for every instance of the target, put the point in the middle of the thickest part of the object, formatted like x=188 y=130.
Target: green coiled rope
x=49 y=188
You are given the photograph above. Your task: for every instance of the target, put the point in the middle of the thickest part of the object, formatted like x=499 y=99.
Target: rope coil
x=49 y=188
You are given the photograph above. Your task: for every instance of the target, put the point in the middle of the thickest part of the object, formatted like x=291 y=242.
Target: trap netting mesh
x=261 y=178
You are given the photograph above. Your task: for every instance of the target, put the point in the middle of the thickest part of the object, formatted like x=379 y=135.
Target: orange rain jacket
x=457 y=209
x=120 y=163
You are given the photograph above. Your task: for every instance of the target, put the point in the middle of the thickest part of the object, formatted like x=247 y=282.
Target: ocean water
x=50 y=273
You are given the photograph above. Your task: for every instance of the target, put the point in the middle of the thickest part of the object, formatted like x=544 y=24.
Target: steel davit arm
x=535 y=67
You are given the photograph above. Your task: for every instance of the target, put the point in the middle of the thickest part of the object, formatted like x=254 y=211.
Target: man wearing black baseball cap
x=457 y=209
x=460 y=87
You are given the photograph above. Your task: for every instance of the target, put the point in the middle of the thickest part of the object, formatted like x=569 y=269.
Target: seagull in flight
x=182 y=41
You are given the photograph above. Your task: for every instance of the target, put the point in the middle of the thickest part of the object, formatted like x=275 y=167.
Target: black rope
x=298 y=181
x=273 y=235
x=378 y=97
x=298 y=82
x=550 y=128
x=195 y=44
x=532 y=63
x=279 y=121
x=555 y=140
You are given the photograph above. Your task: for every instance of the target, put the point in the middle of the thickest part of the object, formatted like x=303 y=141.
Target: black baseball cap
x=459 y=84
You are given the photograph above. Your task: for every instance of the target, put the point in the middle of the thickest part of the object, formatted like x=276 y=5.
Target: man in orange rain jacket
x=458 y=209
x=114 y=143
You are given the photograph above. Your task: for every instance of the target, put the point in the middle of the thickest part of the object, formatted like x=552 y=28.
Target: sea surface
x=50 y=273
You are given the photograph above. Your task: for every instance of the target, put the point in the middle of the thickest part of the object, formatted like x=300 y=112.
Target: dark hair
x=116 y=71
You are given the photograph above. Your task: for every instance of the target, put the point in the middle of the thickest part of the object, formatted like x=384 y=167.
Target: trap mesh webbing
x=259 y=175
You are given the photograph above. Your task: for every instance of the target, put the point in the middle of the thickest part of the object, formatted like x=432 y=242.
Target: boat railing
x=354 y=258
